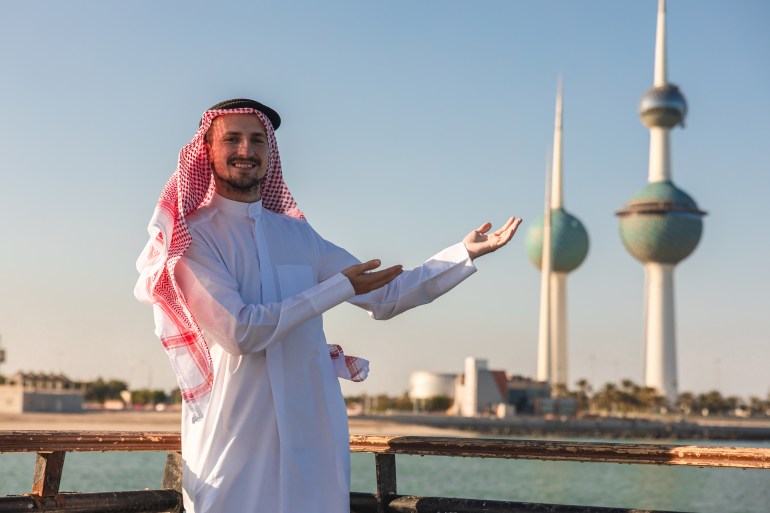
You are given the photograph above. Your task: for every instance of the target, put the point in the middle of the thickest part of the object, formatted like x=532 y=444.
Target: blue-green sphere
x=569 y=241
x=661 y=223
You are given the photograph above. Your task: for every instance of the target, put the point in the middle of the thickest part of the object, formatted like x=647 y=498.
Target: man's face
x=238 y=153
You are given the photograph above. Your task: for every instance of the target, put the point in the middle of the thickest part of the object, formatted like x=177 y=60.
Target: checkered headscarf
x=189 y=188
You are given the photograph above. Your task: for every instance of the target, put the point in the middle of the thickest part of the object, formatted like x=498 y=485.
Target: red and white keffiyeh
x=189 y=188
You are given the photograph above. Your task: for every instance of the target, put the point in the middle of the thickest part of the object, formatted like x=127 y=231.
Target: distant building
x=480 y=391
x=39 y=392
x=527 y=394
x=424 y=385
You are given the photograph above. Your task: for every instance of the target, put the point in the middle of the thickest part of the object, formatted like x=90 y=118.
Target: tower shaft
x=558 y=281
x=558 y=328
x=557 y=188
x=660 y=334
x=544 y=351
x=660 y=155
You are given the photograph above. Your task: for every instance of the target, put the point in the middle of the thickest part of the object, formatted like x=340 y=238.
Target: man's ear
x=208 y=149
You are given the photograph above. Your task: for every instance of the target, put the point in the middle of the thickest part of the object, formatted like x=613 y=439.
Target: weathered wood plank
x=654 y=454
x=141 y=501
x=88 y=441
x=367 y=503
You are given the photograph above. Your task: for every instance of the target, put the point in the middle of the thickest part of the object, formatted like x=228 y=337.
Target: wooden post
x=385 y=465
x=48 y=470
x=172 y=476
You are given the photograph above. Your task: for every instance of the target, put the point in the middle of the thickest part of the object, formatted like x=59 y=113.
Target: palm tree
x=582 y=394
x=686 y=402
x=607 y=398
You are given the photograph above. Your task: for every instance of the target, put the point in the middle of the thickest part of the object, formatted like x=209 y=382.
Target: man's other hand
x=479 y=243
x=363 y=280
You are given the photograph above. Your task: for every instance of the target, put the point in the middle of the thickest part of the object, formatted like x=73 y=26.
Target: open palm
x=479 y=242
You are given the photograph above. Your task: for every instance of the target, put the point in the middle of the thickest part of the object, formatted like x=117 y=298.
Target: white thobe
x=274 y=437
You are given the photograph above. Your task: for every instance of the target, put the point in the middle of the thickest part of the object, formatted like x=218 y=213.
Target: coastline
x=170 y=421
x=425 y=425
x=653 y=428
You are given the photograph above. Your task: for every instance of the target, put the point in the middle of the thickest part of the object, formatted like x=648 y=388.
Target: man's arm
x=421 y=285
x=216 y=303
x=418 y=286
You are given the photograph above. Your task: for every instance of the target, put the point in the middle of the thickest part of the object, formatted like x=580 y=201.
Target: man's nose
x=244 y=149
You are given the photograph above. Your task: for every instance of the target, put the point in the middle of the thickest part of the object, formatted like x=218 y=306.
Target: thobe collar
x=239 y=208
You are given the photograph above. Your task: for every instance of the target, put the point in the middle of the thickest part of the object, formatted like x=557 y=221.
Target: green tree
x=583 y=394
x=146 y=396
x=757 y=406
x=712 y=403
x=650 y=399
x=686 y=402
x=175 y=397
x=607 y=398
x=100 y=390
x=437 y=403
x=560 y=391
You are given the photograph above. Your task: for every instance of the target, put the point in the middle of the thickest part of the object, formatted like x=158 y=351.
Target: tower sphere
x=661 y=223
x=663 y=107
x=569 y=241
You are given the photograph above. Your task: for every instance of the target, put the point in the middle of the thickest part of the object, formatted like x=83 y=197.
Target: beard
x=241 y=184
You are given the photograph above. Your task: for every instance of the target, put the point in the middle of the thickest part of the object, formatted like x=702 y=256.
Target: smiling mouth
x=244 y=164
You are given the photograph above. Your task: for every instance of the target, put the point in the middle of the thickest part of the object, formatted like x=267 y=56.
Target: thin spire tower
x=544 y=371
x=556 y=244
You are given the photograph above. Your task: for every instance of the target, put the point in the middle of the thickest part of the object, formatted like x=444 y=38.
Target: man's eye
x=230 y=139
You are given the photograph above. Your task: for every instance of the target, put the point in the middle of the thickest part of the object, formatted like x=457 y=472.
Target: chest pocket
x=293 y=279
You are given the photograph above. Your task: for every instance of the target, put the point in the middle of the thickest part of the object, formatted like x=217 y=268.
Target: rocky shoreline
x=594 y=427
x=427 y=425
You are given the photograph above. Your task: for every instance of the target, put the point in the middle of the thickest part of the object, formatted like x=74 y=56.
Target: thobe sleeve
x=214 y=299
x=415 y=287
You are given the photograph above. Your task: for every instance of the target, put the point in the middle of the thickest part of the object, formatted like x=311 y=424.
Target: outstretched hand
x=363 y=280
x=479 y=243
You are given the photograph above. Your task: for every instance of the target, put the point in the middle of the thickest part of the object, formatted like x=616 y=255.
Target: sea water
x=703 y=490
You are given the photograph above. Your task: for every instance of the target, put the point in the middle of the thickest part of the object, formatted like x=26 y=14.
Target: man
x=239 y=281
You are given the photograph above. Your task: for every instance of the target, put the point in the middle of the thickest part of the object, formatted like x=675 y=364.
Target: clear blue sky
x=406 y=124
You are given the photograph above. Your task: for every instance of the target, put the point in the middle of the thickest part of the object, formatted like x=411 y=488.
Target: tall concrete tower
x=660 y=225
x=568 y=248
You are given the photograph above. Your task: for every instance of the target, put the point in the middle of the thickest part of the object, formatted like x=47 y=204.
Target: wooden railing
x=52 y=446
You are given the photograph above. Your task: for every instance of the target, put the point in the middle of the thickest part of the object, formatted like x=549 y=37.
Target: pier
x=51 y=448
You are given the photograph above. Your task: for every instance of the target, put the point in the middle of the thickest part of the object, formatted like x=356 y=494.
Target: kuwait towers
x=566 y=246
x=660 y=225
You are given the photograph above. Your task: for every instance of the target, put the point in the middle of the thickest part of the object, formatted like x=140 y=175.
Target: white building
x=33 y=392
x=479 y=390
